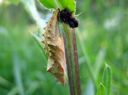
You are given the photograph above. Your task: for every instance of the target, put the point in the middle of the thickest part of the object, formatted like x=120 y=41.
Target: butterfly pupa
x=54 y=46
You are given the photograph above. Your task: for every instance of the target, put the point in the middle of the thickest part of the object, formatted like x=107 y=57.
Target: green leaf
x=107 y=78
x=48 y=3
x=70 y=4
x=101 y=89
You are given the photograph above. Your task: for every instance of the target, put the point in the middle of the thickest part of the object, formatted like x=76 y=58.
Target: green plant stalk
x=101 y=89
x=72 y=60
x=107 y=78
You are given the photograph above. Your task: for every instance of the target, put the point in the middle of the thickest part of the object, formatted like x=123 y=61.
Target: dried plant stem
x=72 y=60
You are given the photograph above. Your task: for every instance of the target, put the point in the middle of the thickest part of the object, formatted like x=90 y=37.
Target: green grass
x=23 y=63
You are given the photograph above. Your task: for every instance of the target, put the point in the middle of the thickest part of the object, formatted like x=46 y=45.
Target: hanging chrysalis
x=54 y=45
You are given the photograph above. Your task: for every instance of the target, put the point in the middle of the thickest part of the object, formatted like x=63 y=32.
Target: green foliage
x=104 y=88
x=48 y=3
x=107 y=79
x=101 y=89
x=102 y=36
x=70 y=4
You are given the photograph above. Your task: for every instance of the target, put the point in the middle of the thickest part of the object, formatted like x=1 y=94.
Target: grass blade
x=101 y=89
x=107 y=78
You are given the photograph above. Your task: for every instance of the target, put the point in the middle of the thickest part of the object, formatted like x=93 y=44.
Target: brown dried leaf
x=54 y=45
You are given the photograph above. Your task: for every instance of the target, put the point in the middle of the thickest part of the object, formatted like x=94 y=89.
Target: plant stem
x=76 y=62
x=72 y=60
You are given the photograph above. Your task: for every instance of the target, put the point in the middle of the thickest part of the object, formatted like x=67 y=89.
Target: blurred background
x=102 y=37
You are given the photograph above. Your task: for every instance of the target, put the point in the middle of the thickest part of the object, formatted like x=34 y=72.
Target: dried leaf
x=54 y=45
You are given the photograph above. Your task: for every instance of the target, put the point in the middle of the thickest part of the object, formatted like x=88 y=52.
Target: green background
x=102 y=37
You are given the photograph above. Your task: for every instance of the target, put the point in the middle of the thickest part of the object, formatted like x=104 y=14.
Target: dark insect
x=66 y=16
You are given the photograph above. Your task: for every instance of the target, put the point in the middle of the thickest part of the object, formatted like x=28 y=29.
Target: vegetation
x=102 y=41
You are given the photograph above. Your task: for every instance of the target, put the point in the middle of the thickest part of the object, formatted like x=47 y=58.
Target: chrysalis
x=54 y=45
